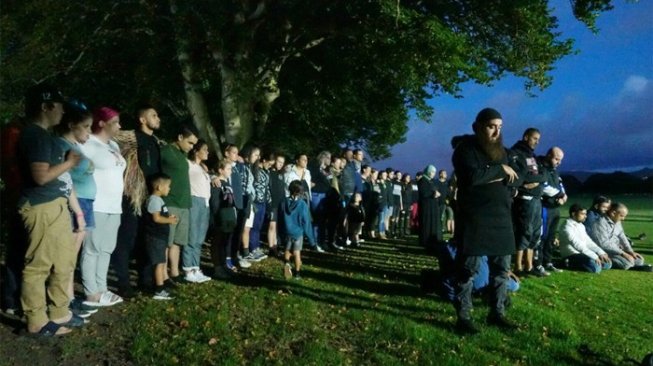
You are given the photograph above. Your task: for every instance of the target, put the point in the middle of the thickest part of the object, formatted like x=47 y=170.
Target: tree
x=325 y=72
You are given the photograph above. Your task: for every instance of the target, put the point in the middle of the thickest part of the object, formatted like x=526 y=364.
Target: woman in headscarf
x=430 y=230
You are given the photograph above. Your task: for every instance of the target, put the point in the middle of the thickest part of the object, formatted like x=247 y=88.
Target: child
x=297 y=223
x=355 y=218
x=224 y=213
x=157 y=229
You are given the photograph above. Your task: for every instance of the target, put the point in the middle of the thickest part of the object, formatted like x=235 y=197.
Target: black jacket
x=528 y=169
x=484 y=201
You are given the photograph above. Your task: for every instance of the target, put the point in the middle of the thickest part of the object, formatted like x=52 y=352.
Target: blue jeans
x=318 y=212
x=255 y=231
x=584 y=263
x=199 y=224
x=383 y=213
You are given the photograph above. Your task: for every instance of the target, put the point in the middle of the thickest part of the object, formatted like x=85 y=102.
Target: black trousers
x=551 y=219
x=527 y=217
x=12 y=271
x=468 y=268
x=130 y=245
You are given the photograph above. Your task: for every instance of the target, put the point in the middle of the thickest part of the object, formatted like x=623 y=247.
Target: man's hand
x=81 y=223
x=605 y=258
x=531 y=185
x=628 y=257
x=511 y=174
x=437 y=194
x=636 y=255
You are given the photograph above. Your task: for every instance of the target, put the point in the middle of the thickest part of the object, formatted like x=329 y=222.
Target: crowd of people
x=84 y=188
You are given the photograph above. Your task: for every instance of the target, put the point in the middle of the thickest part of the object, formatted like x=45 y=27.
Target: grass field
x=365 y=307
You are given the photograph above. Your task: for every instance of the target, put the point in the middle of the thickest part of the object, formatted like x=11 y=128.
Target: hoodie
x=296 y=219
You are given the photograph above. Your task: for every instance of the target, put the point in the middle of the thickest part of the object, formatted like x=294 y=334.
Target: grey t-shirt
x=37 y=145
x=156 y=204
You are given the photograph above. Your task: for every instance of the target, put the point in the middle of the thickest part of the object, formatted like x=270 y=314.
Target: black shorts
x=156 y=248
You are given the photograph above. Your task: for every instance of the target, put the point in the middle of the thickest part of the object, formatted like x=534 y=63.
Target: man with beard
x=553 y=196
x=527 y=206
x=140 y=148
x=484 y=199
x=599 y=208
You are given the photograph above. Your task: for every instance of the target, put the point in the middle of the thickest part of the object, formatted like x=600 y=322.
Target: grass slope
x=364 y=307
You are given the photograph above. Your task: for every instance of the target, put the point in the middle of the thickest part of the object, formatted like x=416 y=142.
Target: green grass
x=365 y=308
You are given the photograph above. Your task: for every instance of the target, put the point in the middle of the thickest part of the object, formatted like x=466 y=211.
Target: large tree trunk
x=195 y=102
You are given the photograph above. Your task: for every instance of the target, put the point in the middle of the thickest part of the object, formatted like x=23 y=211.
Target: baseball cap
x=43 y=93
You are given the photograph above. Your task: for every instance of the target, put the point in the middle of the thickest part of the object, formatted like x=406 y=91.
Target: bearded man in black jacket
x=485 y=181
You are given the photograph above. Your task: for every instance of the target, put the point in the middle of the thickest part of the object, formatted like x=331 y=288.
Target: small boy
x=296 y=223
x=157 y=229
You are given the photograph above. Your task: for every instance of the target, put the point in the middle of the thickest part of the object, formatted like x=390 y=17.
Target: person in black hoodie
x=484 y=200
x=527 y=205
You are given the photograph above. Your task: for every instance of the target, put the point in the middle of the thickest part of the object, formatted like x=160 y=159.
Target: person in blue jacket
x=296 y=224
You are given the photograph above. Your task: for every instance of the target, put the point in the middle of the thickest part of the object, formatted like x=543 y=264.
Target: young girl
x=224 y=213
x=296 y=224
x=200 y=190
x=355 y=218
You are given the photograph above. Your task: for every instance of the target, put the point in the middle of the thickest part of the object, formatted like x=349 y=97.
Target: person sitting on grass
x=296 y=224
x=157 y=230
x=599 y=208
x=577 y=248
x=608 y=233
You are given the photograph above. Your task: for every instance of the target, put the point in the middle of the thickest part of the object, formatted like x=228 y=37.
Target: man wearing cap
x=44 y=209
x=527 y=206
x=484 y=201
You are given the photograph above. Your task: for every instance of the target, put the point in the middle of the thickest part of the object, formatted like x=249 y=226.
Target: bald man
x=553 y=197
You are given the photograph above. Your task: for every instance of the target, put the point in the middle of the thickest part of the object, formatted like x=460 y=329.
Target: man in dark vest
x=484 y=198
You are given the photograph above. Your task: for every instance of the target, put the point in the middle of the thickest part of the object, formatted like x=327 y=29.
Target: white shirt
x=109 y=166
x=574 y=240
x=200 y=181
x=292 y=174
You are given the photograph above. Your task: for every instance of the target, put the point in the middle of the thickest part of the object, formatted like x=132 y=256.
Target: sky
x=599 y=109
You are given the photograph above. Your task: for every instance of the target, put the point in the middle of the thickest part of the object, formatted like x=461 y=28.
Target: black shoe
x=500 y=321
x=466 y=326
x=169 y=284
x=126 y=292
x=642 y=268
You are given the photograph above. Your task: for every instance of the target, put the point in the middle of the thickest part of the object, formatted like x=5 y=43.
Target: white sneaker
x=319 y=249
x=243 y=263
x=191 y=276
x=201 y=277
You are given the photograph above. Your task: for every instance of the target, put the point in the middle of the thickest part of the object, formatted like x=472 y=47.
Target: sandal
x=50 y=329
x=75 y=321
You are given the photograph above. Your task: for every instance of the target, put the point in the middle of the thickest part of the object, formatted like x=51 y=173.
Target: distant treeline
x=609 y=183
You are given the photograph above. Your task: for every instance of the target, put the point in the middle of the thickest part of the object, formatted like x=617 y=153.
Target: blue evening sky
x=599 y=109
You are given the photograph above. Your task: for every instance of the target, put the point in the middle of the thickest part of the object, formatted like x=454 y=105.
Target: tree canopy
x=296 y=75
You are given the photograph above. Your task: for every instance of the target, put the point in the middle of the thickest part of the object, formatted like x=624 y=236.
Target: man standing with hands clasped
x=484 y=199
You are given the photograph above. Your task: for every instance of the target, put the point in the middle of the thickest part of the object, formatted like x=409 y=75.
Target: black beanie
x=487 y=114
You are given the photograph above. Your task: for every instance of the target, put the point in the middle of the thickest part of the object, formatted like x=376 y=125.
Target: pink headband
x=102 y=114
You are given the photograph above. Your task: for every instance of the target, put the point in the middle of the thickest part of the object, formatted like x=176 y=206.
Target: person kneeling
x=577 y=248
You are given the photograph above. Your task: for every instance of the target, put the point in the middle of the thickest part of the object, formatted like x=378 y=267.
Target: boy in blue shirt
x=296 y=224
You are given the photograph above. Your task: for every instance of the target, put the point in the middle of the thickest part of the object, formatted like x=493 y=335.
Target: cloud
x=635 y=84
x=606 y=134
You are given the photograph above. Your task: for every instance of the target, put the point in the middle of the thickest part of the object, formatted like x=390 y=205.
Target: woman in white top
x=299 y=172
x=200 y=190
x=109 y=166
